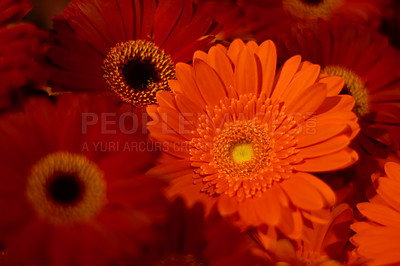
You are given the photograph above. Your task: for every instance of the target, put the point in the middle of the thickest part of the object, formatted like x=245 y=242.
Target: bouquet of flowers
x=200 y=132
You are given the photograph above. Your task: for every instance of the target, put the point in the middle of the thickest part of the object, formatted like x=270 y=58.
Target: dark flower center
x=313 y=2
x=65 y=189
x=139 y=74
x=137 y=70
x=345 y=90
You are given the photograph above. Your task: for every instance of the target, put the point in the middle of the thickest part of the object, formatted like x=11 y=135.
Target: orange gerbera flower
x=322 y=244
x=274 y=17
x=239 y=136
x=70 y=194
x=378 y=238
x=128 y=47
x=369 y=67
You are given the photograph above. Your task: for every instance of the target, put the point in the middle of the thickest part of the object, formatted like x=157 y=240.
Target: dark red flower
x=129 y=47
x=73 y=189
x=368 y=65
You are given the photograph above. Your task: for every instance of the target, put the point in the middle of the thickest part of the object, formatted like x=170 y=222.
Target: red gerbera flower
x=20 y=72
x=70 y=193
x=13 y=10
x=274 y=17
x=322 y=244
x=186 y=238
x=129 y=47
x=369 y=67
x=378 y=238
x=239 y=136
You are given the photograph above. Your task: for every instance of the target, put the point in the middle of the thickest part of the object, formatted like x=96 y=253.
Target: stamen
x=242 y=152
x=136 y=70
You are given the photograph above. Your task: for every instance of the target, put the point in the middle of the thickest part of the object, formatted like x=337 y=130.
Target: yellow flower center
x=242 y=147
x=243 y=153
x=136 y=70
x=65 y=188
x=310 y=9
x=353 y=86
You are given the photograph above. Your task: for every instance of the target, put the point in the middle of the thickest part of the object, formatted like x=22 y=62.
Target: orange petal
x=209 y=83
x=379 y=213
x=323 y=188
x=285 y=76
x=302 y=194
x=223 y=66
x=175 y=86
x=318 y=218
x=247 y=212
x=252 y=45
x=291 y=223
x=200 y=55
x=392 y=170
x=389 y=189
x=329 y=146
x=268 y=58
x=300 y=83
x=323 y=131
x=227 y=205
x=334 y=161
x=284 y=251
x=185 y=76
x=151 y=110
x=336 y=103
x=246 y=73
x=268 y=208
x=333 y=84
x=234 y=50
x=308 y=102
x=189 y=110
x=166 y=98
